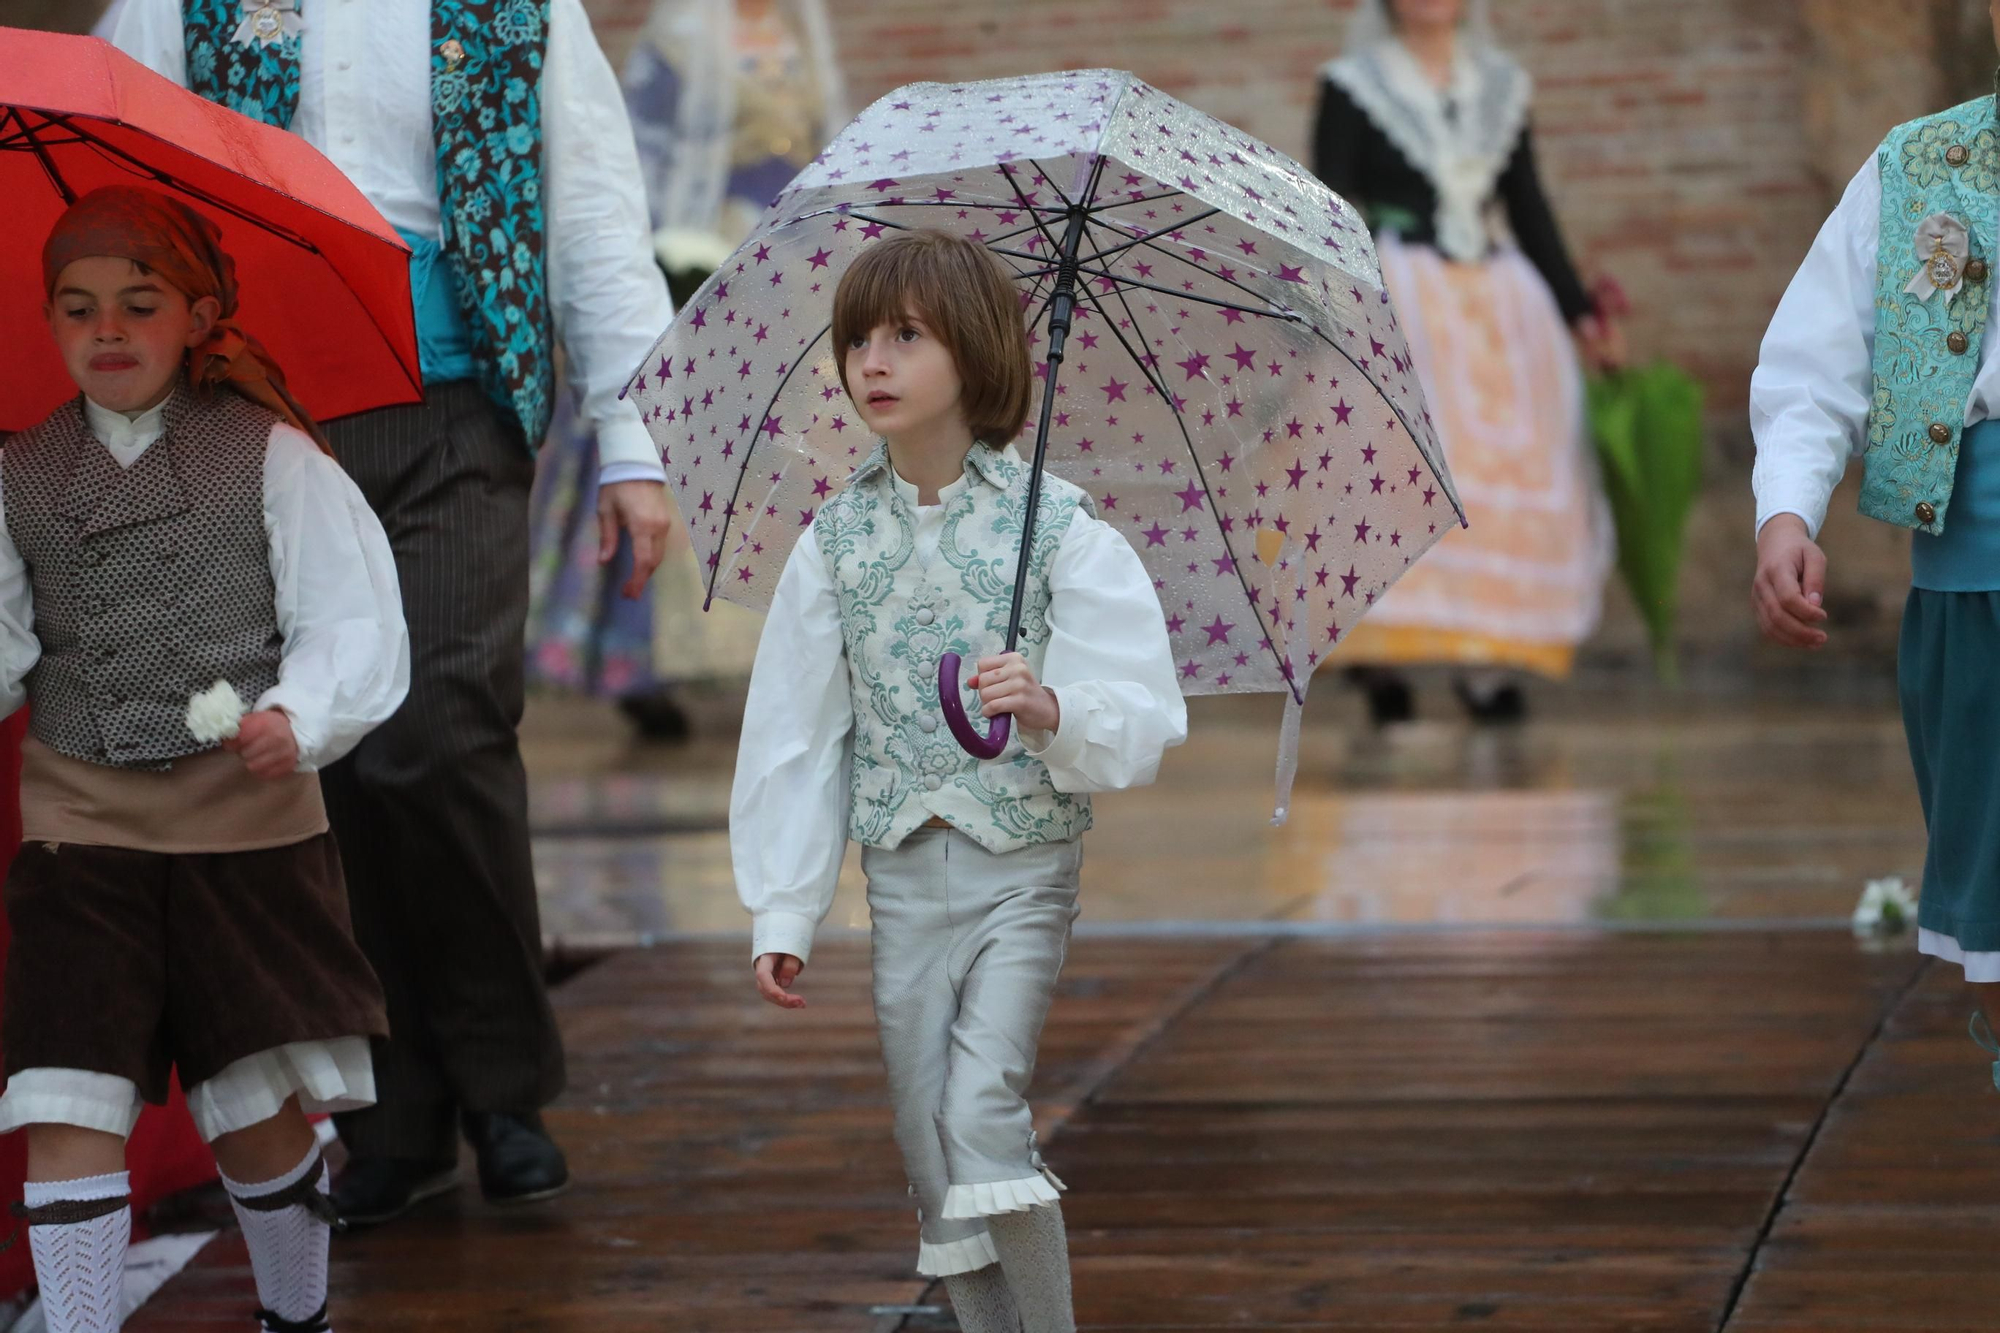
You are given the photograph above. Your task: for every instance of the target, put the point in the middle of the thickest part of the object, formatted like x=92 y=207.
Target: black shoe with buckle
x=374 y=1189
x=518 y=1161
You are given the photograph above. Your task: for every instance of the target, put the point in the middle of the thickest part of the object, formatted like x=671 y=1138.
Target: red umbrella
x=325 y=281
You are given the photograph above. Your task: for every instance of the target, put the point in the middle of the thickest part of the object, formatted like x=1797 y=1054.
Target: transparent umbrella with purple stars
x=1219 y=366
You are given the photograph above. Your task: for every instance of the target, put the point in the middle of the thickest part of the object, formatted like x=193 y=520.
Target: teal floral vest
x=899 y=617
x=1927 y=349
x=486 y=107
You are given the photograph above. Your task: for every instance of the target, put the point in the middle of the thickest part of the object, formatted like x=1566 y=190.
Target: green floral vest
x=1927 y=350
x=899 y=617
x=486 y=114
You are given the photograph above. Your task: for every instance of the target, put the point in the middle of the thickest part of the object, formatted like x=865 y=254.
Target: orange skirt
x=1523 y=585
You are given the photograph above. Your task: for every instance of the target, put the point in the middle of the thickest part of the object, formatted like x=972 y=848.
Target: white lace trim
x=1002 y=1196
x=1980 y=967
x=956 y=1256
x=1462 y=161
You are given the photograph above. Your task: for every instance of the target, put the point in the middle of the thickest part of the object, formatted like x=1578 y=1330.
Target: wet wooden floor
x=1514 y=1130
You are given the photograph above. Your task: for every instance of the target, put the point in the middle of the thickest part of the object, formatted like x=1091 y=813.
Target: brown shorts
x=134 y=963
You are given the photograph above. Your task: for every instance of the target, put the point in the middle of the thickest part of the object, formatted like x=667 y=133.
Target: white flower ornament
x=216 y=713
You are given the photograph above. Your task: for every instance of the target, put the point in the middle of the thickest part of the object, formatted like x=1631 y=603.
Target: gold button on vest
x=1940 y=433
x=1957 y=155
x=1976 y=271
x=1957 y=342
x=1926 y=513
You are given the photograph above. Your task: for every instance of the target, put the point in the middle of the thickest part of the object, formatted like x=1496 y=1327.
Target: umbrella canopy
x=1234 y=393
x=325 y=280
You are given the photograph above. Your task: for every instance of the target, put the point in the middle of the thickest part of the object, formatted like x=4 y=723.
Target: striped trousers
x=431 y=809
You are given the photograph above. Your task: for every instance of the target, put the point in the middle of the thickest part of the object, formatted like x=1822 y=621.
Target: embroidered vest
x=1927 y=349
x=486 y=111
x=899 y=617
x=151 y=582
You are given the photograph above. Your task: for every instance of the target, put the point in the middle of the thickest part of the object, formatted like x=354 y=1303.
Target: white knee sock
x=982 y=1301
x=1034 y=1253
x=81 y=1265
x=287 y=1245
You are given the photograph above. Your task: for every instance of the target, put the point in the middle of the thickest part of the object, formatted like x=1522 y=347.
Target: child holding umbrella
x=972 y=866
x=177 y=530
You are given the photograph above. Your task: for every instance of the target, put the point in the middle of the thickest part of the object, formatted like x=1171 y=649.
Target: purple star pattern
x=1237 y=397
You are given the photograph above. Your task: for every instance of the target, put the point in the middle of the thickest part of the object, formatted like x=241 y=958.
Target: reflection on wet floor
x=1733 y=813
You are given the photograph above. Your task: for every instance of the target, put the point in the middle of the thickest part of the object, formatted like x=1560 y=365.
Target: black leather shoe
x=518 y=1161
x=375 y=1189
x=1506 y=706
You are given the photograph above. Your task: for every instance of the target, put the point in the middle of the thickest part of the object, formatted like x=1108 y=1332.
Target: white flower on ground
x=213 y=714
x=1886 y=907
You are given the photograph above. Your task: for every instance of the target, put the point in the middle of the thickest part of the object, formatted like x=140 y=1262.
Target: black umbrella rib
x=1143 y=199
x=41 y=153
x=749 y=449
x=1201 y=475
x=1055 y=246
x=1169 y=230
x=1270 y=310
x=1125 y=283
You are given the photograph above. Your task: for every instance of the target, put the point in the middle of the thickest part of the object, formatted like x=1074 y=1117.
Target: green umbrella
x=1648 y=428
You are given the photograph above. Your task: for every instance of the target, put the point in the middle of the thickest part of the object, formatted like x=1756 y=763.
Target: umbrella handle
x=962 y=730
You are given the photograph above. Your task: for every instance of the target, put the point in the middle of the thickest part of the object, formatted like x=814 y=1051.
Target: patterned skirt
x=1522 y=586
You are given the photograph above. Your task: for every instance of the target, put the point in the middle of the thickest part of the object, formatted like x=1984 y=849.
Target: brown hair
x=963 y=296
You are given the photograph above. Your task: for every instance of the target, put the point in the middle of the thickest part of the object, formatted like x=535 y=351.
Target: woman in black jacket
x=1423 y=126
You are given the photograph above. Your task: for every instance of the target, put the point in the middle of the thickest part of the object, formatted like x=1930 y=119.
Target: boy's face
x=124 y=332
x=903 y=380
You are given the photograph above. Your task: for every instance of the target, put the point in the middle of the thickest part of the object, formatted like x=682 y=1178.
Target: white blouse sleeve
x=19 y=648
x=1810 y=394
x=788 y=808
x=1110 y=664
x=150 y=32
x=346 y=663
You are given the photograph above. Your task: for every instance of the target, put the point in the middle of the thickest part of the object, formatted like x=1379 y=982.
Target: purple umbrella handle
x=962 y=730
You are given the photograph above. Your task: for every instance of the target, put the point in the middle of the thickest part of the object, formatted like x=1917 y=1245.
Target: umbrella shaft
x=1061 y=307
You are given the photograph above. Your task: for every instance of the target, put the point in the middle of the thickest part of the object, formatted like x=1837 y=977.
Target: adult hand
x=1601 y=340
x=1006 y=684
x=1790 y=584
x=642 y=509
x=265 y=743
x=775 y=974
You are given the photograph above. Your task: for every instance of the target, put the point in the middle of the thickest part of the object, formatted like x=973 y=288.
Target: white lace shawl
x=1462 y=156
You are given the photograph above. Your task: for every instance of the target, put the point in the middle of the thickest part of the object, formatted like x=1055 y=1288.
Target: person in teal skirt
x=1880 y=347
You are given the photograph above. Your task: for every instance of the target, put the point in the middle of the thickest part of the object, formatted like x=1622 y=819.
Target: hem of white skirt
x=79 y=1097
x=953 y=1257
x=1980 y=967
x=963 y=1202
x=327 y=1076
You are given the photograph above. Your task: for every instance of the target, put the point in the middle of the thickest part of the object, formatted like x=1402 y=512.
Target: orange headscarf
x=185 y=248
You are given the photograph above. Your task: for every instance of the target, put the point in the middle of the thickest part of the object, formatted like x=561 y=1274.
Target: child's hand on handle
x=1790 y=584
x=265 y=744
x=1007 y=684
x=775 y=974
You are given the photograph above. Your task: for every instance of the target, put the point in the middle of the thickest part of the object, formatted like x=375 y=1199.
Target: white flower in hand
x=216 y=713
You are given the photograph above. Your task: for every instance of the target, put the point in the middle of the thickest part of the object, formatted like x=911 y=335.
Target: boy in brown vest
x=179 y=905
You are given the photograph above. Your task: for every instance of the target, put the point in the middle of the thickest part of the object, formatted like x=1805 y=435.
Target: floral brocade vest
x=898 y=616
x=1928 y=343
x=486 y=110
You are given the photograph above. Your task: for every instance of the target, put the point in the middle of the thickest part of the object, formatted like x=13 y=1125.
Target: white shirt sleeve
x=788 y=808
x=1810 y=394
x=1110 y=665
x=346 y=662
x=19 y=648
x=150 y=32
x=610 y=298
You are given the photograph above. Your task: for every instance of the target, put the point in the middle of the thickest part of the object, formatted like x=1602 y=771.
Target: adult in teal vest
x=492 y=135
x=1880 y=348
